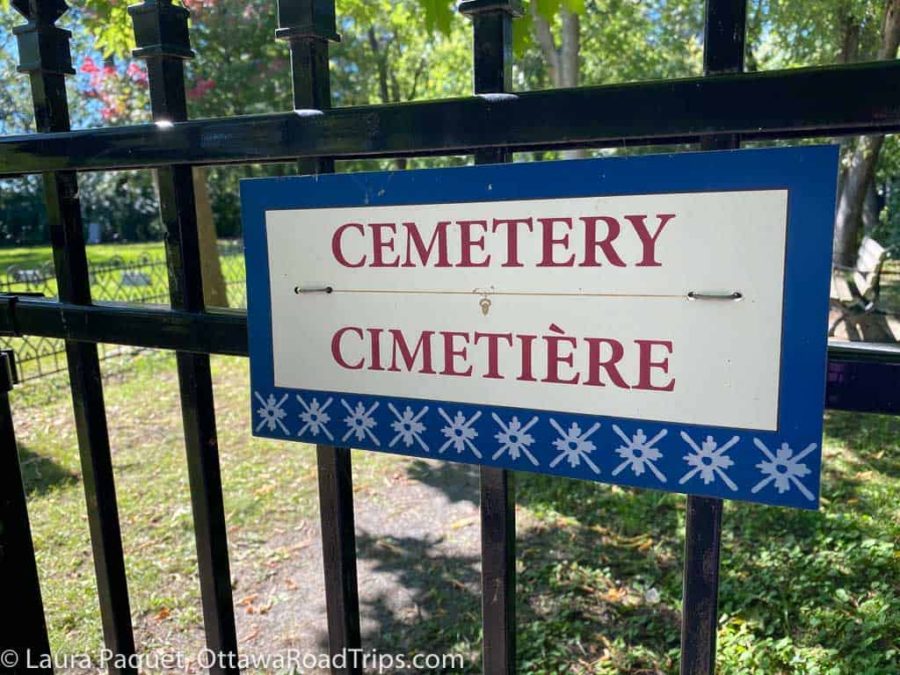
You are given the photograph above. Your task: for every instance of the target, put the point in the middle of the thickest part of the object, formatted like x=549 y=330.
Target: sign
x=653 y=321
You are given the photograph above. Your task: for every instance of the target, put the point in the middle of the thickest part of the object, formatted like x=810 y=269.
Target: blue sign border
x=780 y=467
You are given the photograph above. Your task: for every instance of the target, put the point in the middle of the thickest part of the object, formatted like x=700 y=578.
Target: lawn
x=119 y=273
x=599 y=567
x=890 y=287
x=29 y=257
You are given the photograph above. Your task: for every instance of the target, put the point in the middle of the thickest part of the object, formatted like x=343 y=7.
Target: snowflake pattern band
x=749 y=465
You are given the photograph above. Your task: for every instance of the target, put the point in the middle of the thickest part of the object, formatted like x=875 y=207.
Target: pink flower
x=88 y=66
x=136 y=73
x=201 y=88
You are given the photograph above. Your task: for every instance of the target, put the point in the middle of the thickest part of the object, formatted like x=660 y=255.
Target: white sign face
x=579 y=305
x=654 y=321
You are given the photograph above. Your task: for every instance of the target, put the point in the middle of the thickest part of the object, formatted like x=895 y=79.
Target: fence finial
x=161 y=29
x=307 y=19
x=43 y=47
x=44 y=11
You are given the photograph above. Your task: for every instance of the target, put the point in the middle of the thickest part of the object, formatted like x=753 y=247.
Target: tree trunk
x=861 y=170
x=570 y=53
x=215 y=290
x=385 y=85
x=563 y=62
x=871 y=210
x=381 y=63
x=548 y=46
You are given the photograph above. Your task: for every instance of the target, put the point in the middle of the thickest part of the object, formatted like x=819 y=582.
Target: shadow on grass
x=443 y=608
x=599 y=576
x=585 y=576
x=600 y=571
x=458 y=482
x=41 y=474
x=874 y=439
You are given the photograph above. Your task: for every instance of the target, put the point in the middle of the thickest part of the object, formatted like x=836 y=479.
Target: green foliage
x=550 y=8
x=110 y=25
x=391 y=43
x=23 y=219
x=789 y=34
x=438 y=15
x=621 y=41
x=801 y=592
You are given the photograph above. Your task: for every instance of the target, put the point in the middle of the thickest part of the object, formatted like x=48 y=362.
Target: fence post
x=492 y=52
x=723 y=52
x=25 y=634
x=308 y=26
x=44 y=54
x=161 y=35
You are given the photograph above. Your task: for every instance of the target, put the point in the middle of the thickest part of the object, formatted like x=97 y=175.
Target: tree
x=821 y=32
x=241 y=69
x=388 y=55
x=858 y=181
x=119 y=202
x=400 y=50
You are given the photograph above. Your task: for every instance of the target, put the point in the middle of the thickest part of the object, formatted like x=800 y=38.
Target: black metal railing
x=141 y=280
x=718 y=110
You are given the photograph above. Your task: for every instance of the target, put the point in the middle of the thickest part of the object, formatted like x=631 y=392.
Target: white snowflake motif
x=639 y=453
x=709 y=461
x=574 y=446
x=459 y=432
x=271 y=412
x=315 y=418
x=514 y=438
x=784 y=468
x=408 y=427
x=360 y=422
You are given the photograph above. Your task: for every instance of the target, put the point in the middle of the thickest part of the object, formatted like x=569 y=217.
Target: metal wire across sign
x=652 y=321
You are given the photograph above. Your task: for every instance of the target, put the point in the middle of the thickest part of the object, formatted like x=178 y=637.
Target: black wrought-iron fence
x=140 y=280
x=720 y=109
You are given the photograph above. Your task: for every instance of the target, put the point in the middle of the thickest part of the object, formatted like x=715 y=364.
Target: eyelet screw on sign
x=695 y=295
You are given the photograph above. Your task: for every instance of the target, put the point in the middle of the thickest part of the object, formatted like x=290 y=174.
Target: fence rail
x=143 y=280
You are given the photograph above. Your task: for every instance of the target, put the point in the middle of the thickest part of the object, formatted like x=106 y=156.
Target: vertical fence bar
x=723 y=52
x=492 y=52
x=25 y=635
x=309 y=26
x=44 y=54
x=161 y=34
x=699 y=620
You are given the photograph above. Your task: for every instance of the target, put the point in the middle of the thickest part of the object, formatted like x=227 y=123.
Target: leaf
x=522 y=29
x=438 y=15
x=547 y=8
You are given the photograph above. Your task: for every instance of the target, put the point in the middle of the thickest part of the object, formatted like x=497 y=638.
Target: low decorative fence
x=141 y=280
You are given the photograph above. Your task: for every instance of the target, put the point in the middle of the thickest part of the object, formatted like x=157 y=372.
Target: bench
x=855 y=290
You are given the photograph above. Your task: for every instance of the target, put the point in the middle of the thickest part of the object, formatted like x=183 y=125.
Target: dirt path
x=418 y=556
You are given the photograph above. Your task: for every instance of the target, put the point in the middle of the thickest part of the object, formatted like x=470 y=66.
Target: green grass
x=890 y=287
x=39 y=356
x=801 y=592
x=599 y=567
x=30 y=257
